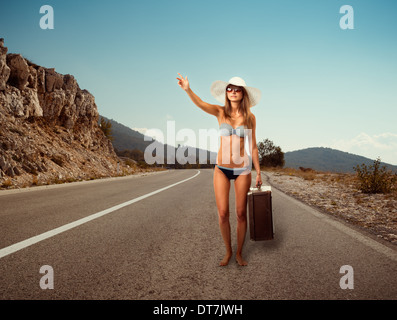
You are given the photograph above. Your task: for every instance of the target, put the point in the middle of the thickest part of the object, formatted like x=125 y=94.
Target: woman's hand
x=183 y=83
x=258 y=183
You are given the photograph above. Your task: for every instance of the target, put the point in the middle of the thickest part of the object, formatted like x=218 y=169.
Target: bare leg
x=222 y=188
x=241 y=187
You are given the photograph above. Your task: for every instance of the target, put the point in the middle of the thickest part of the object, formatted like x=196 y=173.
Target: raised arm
x=209 y=108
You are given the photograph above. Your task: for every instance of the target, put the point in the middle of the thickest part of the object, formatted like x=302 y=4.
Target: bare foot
x=225 y=259
x=240 y=260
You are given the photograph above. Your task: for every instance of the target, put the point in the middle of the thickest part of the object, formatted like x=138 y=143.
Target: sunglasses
x=229 y=89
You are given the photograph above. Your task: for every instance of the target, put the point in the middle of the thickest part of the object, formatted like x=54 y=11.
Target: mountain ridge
x=317 y=158
x=328 y=159
x=125 y=138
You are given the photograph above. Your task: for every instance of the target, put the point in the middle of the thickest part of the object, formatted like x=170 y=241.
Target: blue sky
x=321 y=85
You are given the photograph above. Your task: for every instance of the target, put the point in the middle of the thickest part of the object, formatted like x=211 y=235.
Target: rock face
x=4 y=69
x=49 y=128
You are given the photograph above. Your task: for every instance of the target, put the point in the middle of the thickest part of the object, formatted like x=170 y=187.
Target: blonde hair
x=243 y=108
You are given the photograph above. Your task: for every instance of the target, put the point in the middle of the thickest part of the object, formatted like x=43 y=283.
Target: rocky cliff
x=48 y=127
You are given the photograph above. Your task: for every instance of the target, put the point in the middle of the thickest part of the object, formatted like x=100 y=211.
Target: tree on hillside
x=270 y=155
x=106 y=128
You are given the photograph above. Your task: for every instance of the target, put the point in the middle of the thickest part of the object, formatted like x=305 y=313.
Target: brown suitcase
x=260 y=213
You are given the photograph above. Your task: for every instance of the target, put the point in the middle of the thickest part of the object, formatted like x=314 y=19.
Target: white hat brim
x=218 y=91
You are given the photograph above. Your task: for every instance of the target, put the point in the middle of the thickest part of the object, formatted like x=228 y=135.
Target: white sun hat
x=218 y=90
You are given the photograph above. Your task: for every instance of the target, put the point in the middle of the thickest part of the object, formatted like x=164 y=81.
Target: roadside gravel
x=336 y=194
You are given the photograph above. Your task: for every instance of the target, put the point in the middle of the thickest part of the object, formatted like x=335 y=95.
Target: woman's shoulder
x=251 y=116
x=251 y=120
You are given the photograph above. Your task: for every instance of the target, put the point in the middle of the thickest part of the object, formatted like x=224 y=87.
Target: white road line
x=28 y=242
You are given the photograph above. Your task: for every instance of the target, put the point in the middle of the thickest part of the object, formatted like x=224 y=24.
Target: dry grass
x=7 y=183
x=349 y=180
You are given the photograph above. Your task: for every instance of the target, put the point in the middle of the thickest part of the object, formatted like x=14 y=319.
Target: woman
x=236 y=122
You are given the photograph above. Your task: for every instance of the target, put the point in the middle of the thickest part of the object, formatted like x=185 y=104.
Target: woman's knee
x=223 y=215
x=241 y=214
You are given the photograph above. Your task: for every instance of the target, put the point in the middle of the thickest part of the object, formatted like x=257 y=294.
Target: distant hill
x=124 y=138
x=327 y=159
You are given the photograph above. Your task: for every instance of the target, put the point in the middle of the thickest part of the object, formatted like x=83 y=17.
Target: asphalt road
x=167 y=245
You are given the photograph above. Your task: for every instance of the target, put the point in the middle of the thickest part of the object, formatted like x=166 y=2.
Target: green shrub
x=375 y=179
x=106 y=127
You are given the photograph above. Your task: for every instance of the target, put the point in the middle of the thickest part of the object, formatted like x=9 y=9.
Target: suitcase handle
x=262 y=188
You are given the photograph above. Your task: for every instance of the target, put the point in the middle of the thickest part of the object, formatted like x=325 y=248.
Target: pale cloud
x=382 y=145
x=152 y=133
x=140 y=130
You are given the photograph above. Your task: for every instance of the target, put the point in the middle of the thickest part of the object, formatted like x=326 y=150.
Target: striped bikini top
x=226 y=129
